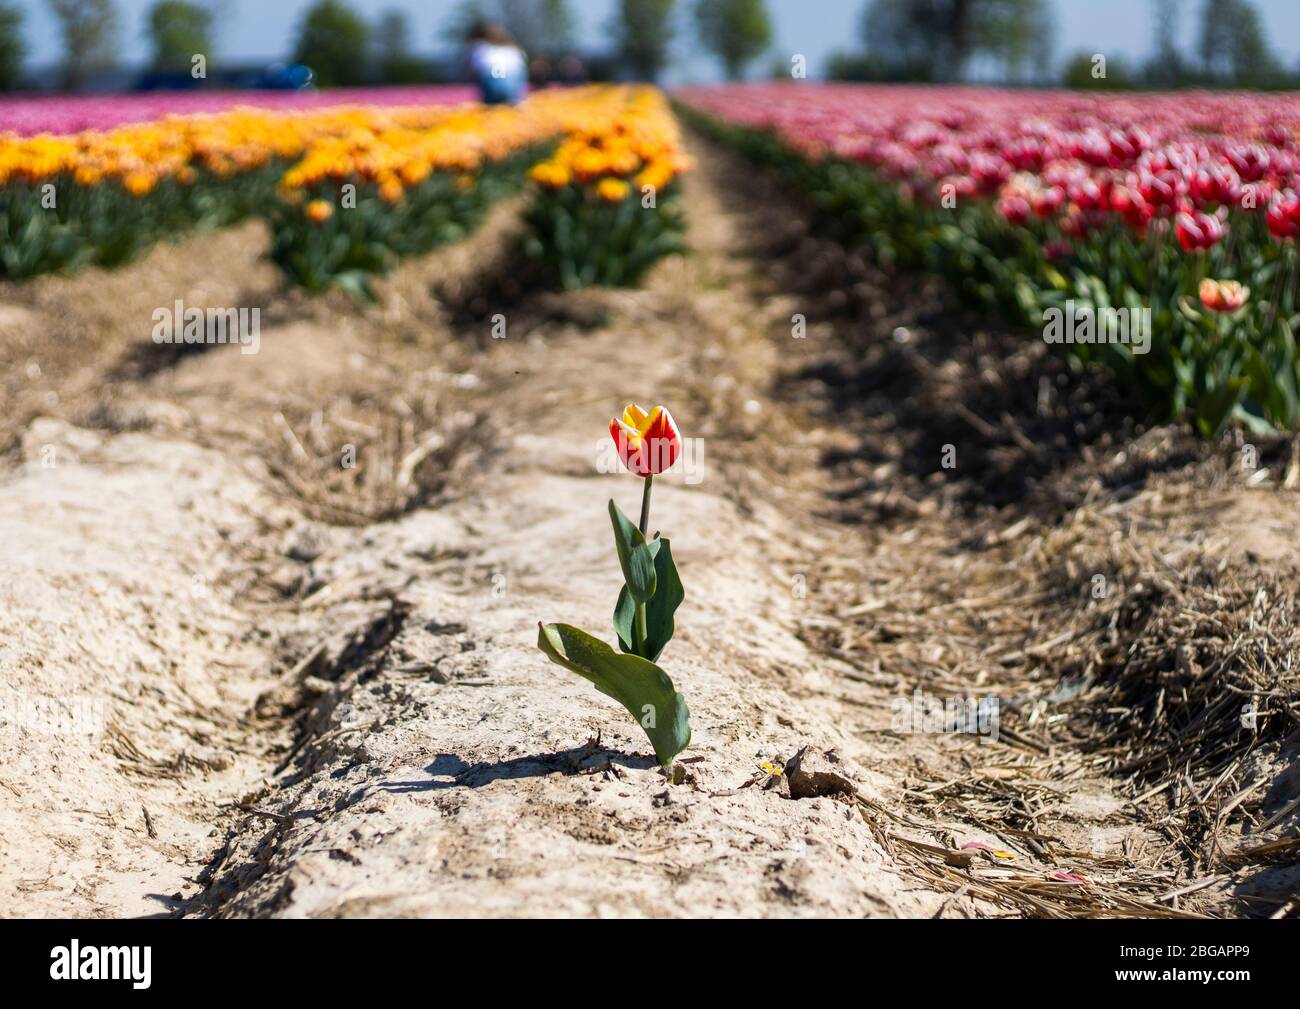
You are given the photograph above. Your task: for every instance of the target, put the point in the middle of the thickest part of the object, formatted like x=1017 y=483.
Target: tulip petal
x=662 y=441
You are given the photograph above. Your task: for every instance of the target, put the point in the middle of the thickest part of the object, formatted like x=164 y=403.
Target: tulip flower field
x=1183 y=206
x=948 y=440
x=348 y=189
x=1181 y=211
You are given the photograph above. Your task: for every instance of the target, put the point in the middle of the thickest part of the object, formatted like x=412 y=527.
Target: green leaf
x=636 y=683
x=357 y=284
x=659 y=611
x=634 y=556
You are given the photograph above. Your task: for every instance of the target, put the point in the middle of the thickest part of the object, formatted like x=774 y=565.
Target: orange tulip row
x=628 y=139
x=141 y=155
x=611 y=131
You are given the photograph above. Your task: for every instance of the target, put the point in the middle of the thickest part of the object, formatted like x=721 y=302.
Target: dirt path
x=328 y=694
x=463 y=774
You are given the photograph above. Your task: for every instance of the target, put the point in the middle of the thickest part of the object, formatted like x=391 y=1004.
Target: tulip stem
x=640 y=631
x=645 y=506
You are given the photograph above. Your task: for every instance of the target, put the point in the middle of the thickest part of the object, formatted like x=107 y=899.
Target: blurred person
x=572 y=70
x=539 y=71
x=497 y=64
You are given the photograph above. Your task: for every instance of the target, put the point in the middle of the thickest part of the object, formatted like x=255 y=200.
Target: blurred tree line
x=342 y=46
x=1010 y=42
x=946 y=40
x=1231 y=52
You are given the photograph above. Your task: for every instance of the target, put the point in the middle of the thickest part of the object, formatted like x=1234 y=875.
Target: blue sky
x=262 y=29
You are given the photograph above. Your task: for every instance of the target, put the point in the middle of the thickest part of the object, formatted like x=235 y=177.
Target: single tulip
x=1283 y=215
x=1014 y=208
x=1197 y=232
x=613 y=190
x=644 y=614
x=1048 y=201
x=1215 y=184
x=1223 y=295
x=648 y=443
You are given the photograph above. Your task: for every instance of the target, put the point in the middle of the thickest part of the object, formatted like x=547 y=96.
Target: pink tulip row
x=72 y=114
x=1077 y=159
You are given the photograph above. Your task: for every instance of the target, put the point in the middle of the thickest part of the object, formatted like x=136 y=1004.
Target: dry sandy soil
x=245 y=678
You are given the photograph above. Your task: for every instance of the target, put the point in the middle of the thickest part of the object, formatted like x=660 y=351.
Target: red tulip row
x=1030 y=198
x=1054 y=154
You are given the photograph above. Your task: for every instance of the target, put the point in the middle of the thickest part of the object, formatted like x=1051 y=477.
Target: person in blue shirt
x=497 y=64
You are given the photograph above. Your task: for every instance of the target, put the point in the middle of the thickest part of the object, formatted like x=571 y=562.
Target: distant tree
x=1016 y=33
x=539 y=26
x=936 y=39
x=1167 y=67
x=177 y=30
x=89 y=29
x=1166 y=15
x=1232 y=46
x=332 y=41
x=393 y=56
x=458 y=24
x=558 y=25
x=643 y=35
x=1081 y=73
x=522 y=19
x=1210 y=48
x=736 y=31
x=915 y=38
x=12 y=48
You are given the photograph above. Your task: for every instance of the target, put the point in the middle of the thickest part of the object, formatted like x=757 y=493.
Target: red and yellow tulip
x=648 y=443
x=644 y=615
x=1223 y=295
